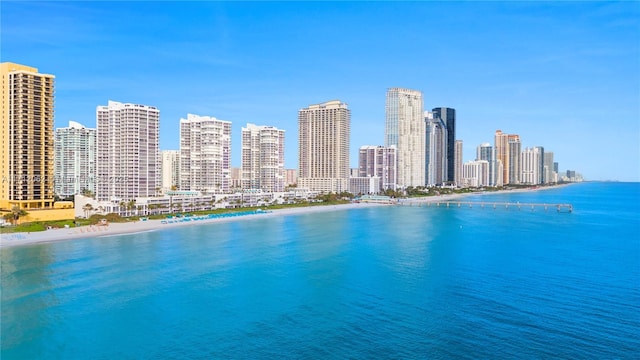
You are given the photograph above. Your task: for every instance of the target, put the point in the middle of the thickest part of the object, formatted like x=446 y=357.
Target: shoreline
x=113 y=229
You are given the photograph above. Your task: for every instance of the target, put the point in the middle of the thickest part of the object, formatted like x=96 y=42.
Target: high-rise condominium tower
x=26 y=138
x=550 y=176
x=170 y=169
x=74 y=160
x=447 y=117
x=263 y=158
x=486 y=152
x=532 y=160
x=507 y=151
x=458 y=162
x=205 y=154
x=405 y=129
x=323 y=146
x=128 y=163
x=435 y=155
x=378 y=161
x=515 y=166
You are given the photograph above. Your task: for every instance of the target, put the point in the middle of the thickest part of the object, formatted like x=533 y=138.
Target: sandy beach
x=93 y=231
x=86 y=232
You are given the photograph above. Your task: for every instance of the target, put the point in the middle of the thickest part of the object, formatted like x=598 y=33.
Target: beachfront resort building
x=205 y=154
x=262 y=158
x=74 y=160
x=405 y=129
x=380 y=162
x=170 y=169
x=323 y=147
x=128 y=161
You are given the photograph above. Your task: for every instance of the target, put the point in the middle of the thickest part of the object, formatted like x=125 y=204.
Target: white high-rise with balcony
x=323 y=147
x=170 y=169
x=405 y=129
x=380 y=162
x=128 y=162
x=205 y=154
x=74 y=162
x=263 y=158
x=532 y=163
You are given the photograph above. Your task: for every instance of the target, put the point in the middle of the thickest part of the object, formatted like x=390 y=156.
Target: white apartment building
x=170 y=169
x=263 y=158
x=364 y=185
x=74 y=159
x=380 y=162
x=128 y=158
x=549 y=176
x=205 y=154
x=323 y=147
x=486 y=152
x=291 y=177
x=475 y=173
x=532 y=165
x=405 y=129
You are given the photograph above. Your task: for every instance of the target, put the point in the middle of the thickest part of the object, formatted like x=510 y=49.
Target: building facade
x=291 y=177
x=380 y=162
x=205 y=154
x=26 y=135
x=405 y=129
x=128 y=155
x=550 y=176
x=263 y=158
x=323 y=147
x=475 y=173
x=501 y=144
x=74 y=160
x=170 y=169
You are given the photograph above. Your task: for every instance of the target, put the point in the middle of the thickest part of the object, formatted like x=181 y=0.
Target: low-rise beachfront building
x=186 y=201
x=364 y=185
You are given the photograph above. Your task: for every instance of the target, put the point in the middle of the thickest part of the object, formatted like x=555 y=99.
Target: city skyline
x=522 y=68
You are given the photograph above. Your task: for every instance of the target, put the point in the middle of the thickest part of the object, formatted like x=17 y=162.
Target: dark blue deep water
x=386 y=282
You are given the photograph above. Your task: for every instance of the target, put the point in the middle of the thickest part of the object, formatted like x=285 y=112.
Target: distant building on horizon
x=405 y=129
x=128 y=155
x=170 y=169
x=263 y=158
x=205 y=154
x=291 y=177
x=550 y=176
x=26 y=135
x=458 y=162
x=74 y=159
x=323 y=147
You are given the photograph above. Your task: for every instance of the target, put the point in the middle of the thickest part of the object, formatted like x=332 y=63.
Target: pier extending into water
x=490 y=205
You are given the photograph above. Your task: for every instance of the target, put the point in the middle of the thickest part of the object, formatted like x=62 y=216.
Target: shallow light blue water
x=387 y=282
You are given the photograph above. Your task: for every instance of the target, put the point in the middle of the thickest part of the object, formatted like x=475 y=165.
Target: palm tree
x=17 y=212
x=87 y=209
x=130 y=206
x=122 y=205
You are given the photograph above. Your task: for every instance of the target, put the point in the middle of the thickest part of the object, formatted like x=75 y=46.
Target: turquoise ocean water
x=384 y=282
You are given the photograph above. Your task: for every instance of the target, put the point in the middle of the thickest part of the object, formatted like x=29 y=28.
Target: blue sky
x=563 y=75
